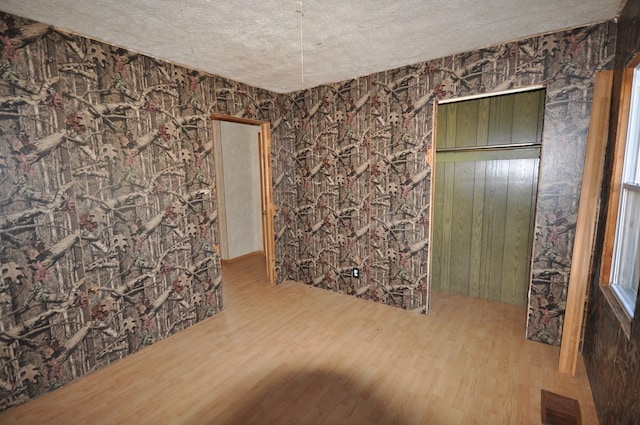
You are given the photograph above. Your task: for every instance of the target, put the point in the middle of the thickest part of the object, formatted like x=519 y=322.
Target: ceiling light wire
x=301 y=44
x=189 y=37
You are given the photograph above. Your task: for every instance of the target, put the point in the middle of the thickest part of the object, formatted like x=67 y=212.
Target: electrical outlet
x=355 y=272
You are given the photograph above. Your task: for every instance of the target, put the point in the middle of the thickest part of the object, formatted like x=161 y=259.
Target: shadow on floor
x=314 y=397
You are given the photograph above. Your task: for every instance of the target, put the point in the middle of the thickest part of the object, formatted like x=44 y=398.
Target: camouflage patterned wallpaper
x=108 y=216
x=107 y=192
x=363 y=180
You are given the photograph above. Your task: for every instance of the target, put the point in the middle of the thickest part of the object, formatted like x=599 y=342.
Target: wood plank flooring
x=294 y=354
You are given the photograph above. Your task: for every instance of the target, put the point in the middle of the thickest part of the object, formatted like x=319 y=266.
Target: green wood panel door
x=485 y=195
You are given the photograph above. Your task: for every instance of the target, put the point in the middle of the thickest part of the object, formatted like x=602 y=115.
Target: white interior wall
x=238 y=179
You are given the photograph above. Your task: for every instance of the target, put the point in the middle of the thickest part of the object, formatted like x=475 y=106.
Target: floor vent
x=559 y=410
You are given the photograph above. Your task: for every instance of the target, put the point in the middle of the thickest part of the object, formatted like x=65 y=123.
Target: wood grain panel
x=484 y=109
x=437 y=232
x=449 y=125
x=501 y=120
x=475 y=263
x=496 y=193
x=440 y=256
x=485 y=196
x=518 y=241
x=466 y=124
x=484 y=236
x=461 y=225
x=447 y=225
x=525 y=106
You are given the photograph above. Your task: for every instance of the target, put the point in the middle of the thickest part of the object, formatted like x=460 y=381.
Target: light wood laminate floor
x=294 y=354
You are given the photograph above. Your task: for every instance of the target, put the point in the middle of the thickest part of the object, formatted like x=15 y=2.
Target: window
x=625 y=266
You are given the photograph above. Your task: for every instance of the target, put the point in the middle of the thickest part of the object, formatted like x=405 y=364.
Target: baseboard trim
x=242 y=257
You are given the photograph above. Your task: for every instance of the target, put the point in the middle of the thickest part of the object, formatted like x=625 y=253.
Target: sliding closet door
x=487 y=158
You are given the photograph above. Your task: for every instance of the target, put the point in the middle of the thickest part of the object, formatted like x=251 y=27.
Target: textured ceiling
x=258 y=42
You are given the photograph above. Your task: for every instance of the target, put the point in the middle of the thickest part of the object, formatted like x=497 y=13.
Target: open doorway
x=487 y=156
x=243 y=174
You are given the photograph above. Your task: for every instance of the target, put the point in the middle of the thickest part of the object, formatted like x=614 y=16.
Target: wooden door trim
x=619 y=145
x=268 y=207
x=231 y=118
x=586 y=224
x=266 y=188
